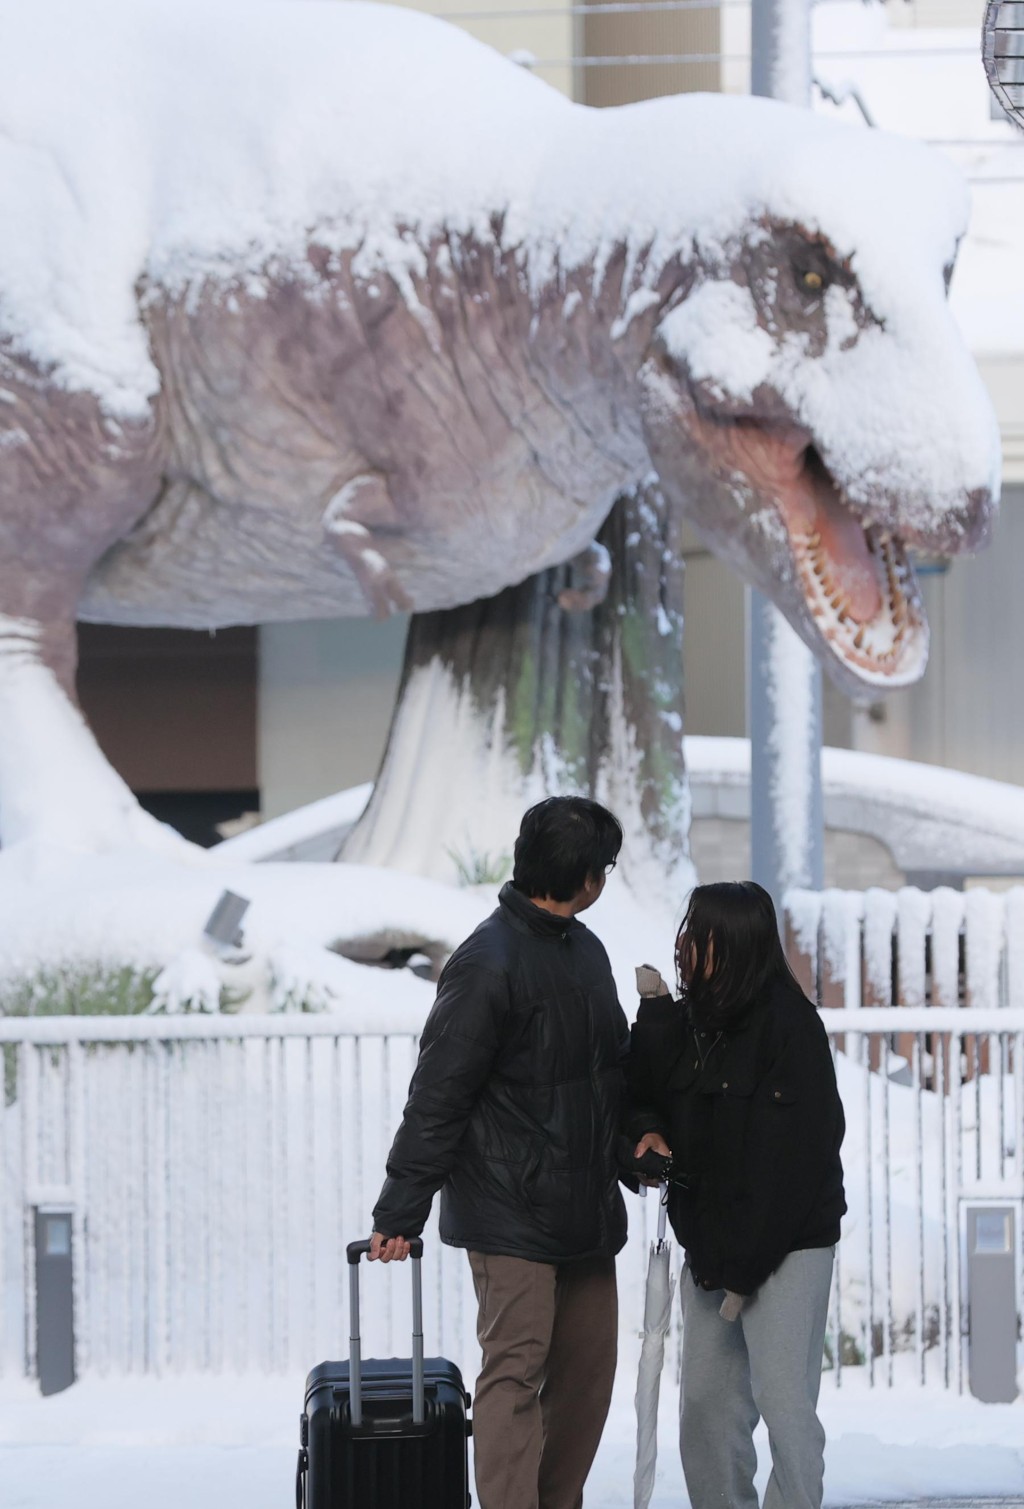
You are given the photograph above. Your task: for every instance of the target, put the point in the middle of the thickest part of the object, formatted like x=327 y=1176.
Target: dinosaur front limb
x=354 y=519
x=589 y=575
x=56 y=785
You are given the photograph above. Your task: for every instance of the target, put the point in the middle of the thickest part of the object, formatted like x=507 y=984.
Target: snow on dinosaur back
x=170 y=140
x=239 y=239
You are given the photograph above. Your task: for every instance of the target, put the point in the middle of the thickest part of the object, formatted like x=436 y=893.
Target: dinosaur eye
x=812 y=281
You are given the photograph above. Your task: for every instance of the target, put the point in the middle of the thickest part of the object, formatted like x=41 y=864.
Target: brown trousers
x=549 y=1334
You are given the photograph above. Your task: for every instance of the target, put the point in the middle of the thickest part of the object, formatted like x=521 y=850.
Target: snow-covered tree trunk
x=532 y=693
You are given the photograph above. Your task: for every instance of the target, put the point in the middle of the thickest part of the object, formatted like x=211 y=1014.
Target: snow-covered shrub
x=306 y=977
x=475 y=867
x=190 y=982
x=77 y=988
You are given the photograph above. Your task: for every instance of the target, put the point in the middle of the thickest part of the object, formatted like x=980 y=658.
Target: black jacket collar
x=521 y=913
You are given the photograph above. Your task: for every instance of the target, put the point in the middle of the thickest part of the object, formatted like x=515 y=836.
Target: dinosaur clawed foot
x=359 y=546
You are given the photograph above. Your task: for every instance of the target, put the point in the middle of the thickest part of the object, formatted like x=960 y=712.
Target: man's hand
x=388 y=1249
x=652 y=1142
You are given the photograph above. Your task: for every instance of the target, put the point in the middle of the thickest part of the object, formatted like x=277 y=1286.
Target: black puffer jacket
x=755 y=1123
x=516 y=1103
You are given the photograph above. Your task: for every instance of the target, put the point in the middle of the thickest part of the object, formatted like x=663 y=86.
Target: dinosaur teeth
x=882 y=642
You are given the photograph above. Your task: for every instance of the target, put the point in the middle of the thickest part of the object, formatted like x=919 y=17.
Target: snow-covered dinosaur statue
x=311 y=309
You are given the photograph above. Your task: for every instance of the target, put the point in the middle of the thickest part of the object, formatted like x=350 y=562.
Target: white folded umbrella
x=657 y=1317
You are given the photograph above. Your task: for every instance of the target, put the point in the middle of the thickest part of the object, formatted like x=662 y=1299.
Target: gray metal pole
x=786 y=812
x=780 y=50
x=784 y=677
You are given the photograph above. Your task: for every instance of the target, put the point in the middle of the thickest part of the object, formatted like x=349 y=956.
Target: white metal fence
x=935 y=1101
x=215 y=1168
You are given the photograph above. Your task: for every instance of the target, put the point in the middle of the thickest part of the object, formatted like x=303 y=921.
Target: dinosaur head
x=809 y=402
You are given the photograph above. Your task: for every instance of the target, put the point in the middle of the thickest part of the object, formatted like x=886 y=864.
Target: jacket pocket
x=734 y=1084
x=781 y=1094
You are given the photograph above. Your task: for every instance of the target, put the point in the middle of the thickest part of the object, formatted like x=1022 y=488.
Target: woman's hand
x=652 y=1142
x=649 y=982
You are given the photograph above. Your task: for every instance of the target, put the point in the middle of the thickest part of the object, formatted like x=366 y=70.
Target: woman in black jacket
x=737 y=1079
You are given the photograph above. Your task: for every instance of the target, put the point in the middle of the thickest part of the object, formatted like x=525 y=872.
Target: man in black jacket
x=514 y=1114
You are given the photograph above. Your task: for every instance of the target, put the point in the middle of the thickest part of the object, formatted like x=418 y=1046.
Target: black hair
x=728 y=951
x=564 y=842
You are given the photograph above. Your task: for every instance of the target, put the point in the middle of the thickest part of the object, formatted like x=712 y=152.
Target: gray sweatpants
x=767 y=1364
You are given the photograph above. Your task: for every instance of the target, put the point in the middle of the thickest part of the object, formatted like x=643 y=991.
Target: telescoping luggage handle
x=356 y=1250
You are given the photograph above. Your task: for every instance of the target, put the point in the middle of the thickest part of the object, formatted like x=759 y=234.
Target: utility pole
x=783 y=676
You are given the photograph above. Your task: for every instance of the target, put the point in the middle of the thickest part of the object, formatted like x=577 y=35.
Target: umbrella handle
x=662 y=1212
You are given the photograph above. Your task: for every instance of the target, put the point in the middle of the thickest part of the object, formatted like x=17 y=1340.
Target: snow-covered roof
x=313 y=832
x=929 y=817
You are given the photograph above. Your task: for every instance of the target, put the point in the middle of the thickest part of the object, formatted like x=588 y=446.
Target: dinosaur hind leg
x=72 y=481
x=56 y=785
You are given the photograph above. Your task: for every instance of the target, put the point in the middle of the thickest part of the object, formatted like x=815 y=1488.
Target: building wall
x=580 y=54
x=928 y=13
x=327 y=690
x=720 y=849
x=542 y=36
x=714 y=647
x=175 y=713
x=715 y=656
x=968 y=711
x=675 y=35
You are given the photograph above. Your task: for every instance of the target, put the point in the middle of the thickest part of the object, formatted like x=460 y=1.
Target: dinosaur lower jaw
x=858 y=584
x=849 y=586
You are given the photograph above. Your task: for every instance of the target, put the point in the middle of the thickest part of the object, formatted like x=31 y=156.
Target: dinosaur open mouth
x=858 y=583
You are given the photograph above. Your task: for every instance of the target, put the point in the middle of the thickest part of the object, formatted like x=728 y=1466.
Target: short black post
x=55 y=1318
x=994 y=1323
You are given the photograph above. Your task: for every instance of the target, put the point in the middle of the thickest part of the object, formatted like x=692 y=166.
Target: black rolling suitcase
x=384 y=1434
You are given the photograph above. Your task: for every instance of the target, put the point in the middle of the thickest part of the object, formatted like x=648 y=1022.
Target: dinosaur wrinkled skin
x=334 y=433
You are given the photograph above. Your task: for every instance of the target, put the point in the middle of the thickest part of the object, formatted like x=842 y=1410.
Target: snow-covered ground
x=210 y=1442
x=68 y=915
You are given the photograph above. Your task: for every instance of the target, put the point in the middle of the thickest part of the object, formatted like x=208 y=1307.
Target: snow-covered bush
x=474 y=867
x=190 y=982
x=77 y=988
